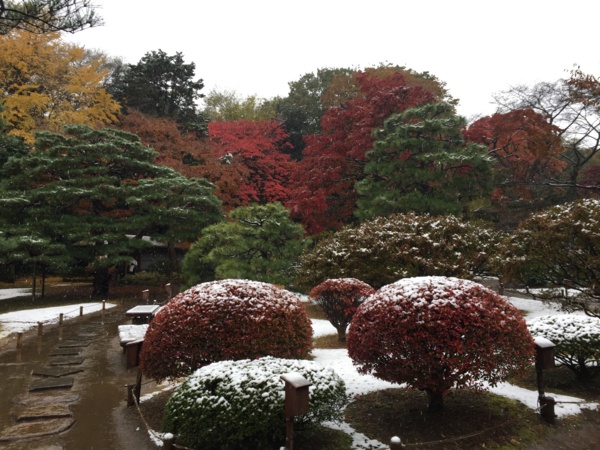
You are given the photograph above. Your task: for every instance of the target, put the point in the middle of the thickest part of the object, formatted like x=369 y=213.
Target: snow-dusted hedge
x=386 y=249
x=225 y=320
x=435 y=333
x=240 y=404
x=577 y=340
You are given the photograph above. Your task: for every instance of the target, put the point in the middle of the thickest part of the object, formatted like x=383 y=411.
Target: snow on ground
x=11 y=293
x=25 y=320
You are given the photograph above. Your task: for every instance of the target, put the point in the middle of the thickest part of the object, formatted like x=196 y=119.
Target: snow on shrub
x=435 y=333
x=577 y=340
x=386 y=249
x=221 y=320
x=339 y=298
x=239 y=404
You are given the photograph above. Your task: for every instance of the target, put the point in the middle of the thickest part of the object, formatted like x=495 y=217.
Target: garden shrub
x=339 y=298
x=240 y=404
x=224 y=320
x=556 y=248
x=577 y=340
x=435 y=333
x=386 y=249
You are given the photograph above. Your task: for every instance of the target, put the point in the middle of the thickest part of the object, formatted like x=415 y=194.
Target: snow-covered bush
x=239 y=404
x=558 y=247
x=339 y=298
x=577 y=340
x=221 y=320
x=386 y=249
x=435 y=333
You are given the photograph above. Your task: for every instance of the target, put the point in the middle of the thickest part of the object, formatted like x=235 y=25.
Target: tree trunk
x=101 y=282
x=436 y=401
x=341 y=331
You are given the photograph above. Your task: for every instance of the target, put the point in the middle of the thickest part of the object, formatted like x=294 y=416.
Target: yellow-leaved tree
x=46 y=83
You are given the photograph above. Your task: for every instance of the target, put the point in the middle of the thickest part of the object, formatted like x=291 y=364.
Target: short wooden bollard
x=547 y=409
x=396 y=443
x=146 y=296
x=61 y=317
x=134 y=391
x=103 y=305
x=19 y=340
x=40 y=328
x=169 y=290
x=168 y=442
x=80 y=311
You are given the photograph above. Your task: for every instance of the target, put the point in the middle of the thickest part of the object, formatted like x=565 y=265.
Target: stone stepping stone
x=48 y=411
x=51 y=383
x=74 y=344
x=65 y=352
x=44 y=398
x=56 y=371
x=67 y=361
x=38 y=428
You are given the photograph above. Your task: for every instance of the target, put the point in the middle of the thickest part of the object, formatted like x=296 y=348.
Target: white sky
x=256 y=47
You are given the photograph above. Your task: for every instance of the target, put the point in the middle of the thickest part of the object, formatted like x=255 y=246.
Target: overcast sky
x=256 y=47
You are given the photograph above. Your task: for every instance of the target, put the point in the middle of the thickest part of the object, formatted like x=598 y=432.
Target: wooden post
x=80 y=311
x=169 y=290
x=19 y=341
x=103 y=305
x=146 y=296
x=61 y=317
x=40 y=328
x=547 y=409
x=168 y=442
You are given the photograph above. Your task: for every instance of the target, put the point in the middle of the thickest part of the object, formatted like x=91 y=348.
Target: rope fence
x=40 y=323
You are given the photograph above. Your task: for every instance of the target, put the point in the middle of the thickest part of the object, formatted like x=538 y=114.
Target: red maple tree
x=525 y=147
x=322 y=188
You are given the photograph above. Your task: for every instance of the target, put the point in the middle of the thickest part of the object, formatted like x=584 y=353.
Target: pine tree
x=421 y=163
x=89 y=189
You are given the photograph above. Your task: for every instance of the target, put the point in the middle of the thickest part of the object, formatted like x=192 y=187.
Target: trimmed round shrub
x=577 y=340
x=240 y=404
x=435 y=333
x=224 y=320
x=339 y=298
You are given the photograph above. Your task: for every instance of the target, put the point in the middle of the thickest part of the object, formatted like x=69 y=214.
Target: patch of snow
x=12 y=293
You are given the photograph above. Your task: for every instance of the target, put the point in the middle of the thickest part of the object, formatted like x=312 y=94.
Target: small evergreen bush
x=577 y=340
x=240 y=404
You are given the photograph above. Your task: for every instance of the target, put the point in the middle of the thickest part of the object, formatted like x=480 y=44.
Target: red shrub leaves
x=434 y=333
x=340 y=298
x=225 y=320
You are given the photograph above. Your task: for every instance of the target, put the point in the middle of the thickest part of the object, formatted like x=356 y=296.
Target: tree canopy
x=46 y=16
x=90 y=191
x=46 y=83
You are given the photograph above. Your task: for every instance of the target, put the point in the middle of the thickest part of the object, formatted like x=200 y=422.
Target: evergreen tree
x=163 y=86
x=421 y=163
x=89 y=189
x=259 y=242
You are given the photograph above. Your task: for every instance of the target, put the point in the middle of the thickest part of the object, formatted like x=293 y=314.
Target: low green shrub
x=577 y=340
x=231 y=405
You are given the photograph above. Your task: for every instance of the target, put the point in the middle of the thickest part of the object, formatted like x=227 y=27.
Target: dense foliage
x=222 y=320
x=577 y=340
x=435 y=333
x=46 y=83
x=258 y=242
x=555 y=248
x=339 y=298
x=95 y=193
x=239 y=404
x=386 y=249
x=421 y=163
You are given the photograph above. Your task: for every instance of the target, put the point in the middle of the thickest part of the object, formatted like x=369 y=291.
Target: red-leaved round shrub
x=435 y=333
x=224 y=320
x=340 y=298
